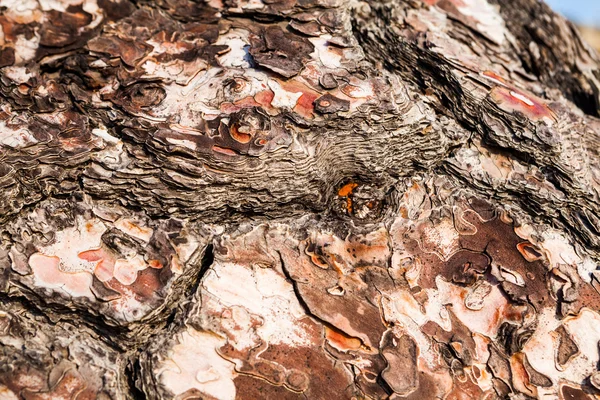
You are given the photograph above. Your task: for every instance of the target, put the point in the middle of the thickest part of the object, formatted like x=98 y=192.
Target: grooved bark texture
x=281 y=199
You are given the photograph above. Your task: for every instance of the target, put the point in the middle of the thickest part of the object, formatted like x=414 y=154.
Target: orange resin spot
x=240 y=137
x=341 y=341
x=155 y=264
x=347 y=189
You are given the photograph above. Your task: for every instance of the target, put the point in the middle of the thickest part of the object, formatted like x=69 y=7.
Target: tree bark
x=279 y=199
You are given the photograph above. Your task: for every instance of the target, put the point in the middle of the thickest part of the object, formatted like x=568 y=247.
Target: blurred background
x=585 y=13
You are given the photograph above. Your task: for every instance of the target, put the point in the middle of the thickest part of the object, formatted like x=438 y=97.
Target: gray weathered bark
x=318 y=199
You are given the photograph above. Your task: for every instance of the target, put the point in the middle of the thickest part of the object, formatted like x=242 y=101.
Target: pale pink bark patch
x=494 y=310
x=176 y=266
x=104 y=269
x=48 y=274
x=194 y=363
x=126 y=271
x=527 y=104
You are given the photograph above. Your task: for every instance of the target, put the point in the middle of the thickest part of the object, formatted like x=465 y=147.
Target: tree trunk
x=280 y=199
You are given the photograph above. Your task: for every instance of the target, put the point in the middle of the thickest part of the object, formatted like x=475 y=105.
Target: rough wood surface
x=280 y=199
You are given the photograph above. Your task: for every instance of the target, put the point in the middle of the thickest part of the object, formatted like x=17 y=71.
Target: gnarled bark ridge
x=319 y=199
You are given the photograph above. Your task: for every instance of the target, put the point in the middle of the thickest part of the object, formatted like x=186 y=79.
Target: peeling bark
x=297 y=199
